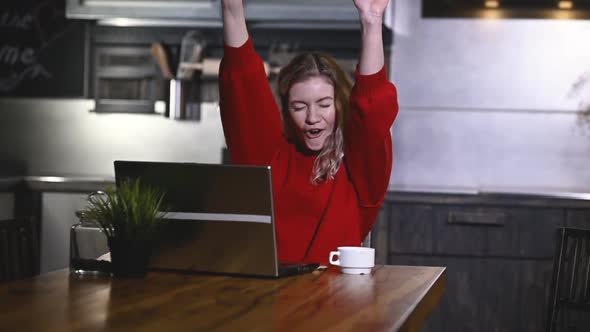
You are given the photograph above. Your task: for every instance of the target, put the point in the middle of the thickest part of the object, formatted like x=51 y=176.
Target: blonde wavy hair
x=302 y=68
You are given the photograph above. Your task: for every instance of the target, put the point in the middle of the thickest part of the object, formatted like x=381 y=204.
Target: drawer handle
x=476 y=218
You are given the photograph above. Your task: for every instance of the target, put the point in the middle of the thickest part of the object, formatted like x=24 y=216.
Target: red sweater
x=341 y=211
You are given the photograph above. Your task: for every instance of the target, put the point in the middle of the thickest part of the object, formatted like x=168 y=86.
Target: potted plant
x=130 y=217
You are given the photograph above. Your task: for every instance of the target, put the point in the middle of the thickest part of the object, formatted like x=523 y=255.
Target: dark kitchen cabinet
x=306 y=14
x=480 y=295
x=474 y=230
x=498 y=250
x=578 y=218
x=309 y=13
x=144 y=9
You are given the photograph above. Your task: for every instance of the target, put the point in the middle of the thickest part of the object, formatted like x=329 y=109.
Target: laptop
x=218 y=218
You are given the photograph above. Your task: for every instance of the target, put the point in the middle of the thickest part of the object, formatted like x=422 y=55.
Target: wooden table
x=392 y=298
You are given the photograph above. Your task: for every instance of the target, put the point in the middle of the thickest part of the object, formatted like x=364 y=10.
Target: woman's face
x=312 y=109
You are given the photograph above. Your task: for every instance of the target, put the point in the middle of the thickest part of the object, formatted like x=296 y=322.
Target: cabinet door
x=380 y=235
x=479 y=231
x=301 y=10
x=533 y=293
x=6 y=206
x=488 y=294
x=145 y=9
x=578 y=218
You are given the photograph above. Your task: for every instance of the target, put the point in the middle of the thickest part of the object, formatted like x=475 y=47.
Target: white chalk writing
x=12 y=19
x=11 y=55
x=14 y=79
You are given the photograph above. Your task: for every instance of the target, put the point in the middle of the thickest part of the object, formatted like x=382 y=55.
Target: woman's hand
x=232 y=4
x=371 y=10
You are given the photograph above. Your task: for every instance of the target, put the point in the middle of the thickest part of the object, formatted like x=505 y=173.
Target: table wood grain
x=392 y=298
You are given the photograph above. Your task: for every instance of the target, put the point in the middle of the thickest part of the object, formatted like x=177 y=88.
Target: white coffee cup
x=353 y=260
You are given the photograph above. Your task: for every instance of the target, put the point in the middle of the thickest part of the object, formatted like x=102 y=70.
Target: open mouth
x=314 y=133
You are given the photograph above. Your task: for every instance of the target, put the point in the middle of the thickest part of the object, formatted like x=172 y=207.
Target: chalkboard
x=42 y=53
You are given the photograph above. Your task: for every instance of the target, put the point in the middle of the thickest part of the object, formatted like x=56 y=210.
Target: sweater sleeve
x=368 y=143
x=249 y=114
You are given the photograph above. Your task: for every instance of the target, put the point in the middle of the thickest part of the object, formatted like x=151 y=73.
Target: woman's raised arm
x=235 y=32
x=249 y=114
x=371 y=18
x=373 y=108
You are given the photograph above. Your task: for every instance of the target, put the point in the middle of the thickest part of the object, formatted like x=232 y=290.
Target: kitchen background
x=486 y=106
x=484 y=103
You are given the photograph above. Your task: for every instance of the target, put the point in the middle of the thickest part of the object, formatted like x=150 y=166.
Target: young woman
x=329 y=146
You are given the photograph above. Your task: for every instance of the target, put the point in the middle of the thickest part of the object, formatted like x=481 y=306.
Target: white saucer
x=356 y=270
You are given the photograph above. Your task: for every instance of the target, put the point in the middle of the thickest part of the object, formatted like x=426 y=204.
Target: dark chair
x=19 y=248
x=570 y=293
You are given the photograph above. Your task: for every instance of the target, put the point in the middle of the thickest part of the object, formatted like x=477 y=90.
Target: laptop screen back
x=219 y=217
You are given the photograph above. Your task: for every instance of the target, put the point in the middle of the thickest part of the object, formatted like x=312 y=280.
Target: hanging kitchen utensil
x=191 y=49
x=159 y=53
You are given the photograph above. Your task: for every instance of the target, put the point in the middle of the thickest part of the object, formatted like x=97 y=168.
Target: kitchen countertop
x=446 y=195
x=56 y=183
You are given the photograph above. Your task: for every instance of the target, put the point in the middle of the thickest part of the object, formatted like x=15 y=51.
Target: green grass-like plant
x=132 y=212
